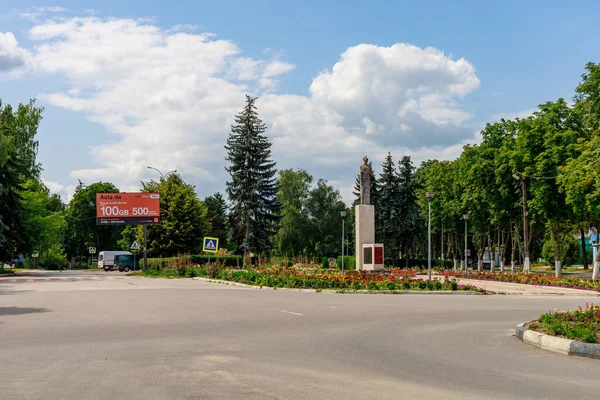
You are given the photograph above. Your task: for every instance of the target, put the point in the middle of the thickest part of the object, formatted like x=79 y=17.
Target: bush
x=324 y=262
x=569 y=249
x=418 y=262
x=227 y=261
x=54 y=258
x=349 y=262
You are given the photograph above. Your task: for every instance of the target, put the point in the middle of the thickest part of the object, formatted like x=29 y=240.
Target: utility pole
x=343 y=215
x=526 y=266
x=429 y=199
x=145 y=248
x=466 y=218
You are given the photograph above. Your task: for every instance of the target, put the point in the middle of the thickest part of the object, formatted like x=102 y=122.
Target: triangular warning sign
x=210 y=245
x=135 y=246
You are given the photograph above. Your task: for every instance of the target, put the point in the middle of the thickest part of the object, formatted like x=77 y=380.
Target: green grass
x=6 y=271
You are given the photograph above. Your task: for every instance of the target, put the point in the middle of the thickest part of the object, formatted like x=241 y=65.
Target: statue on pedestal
x=366 y=174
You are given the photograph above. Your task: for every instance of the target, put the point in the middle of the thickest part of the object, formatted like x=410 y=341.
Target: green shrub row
x=417 y=262
x=227 y=261
x=174 y=262
x=349 y=262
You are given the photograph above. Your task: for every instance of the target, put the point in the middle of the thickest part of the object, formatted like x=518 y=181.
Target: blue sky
x=521 y=53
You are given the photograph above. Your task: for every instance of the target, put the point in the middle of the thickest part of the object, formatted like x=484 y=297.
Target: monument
x=369 y=255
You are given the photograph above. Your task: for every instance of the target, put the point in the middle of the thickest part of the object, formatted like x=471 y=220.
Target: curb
x=584 y=292
x=557 y=344
x=345 y=291
x=547 y=294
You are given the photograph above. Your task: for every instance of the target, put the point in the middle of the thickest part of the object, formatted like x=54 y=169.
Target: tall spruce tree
x=388 y=212
x=252 y=189
x=409 y=218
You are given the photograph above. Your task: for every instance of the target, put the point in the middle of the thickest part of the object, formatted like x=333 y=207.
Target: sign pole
x=134 y=260
x=145 y=248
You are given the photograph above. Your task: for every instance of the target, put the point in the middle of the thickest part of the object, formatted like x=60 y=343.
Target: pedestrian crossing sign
x=211 y=245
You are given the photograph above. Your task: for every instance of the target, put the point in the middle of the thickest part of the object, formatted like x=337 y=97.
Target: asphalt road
x=136 y=338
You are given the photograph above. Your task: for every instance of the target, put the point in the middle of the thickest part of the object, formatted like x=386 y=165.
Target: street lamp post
x=343 y=215
x=466 y=218
x=161 y=174
x=526 y=265
x=596 y=268
x=429 y=199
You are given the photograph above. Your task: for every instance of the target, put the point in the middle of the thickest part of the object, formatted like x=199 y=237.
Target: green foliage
x=216 y=213
x=228 y=261
x=44 y=217
x=570 y=249
x=18 y=164
x=54 y=258
x=324 y=262
x=295 y=230
x=183 y=219
x=324 y=206
x=582 y=325
x=417 y=262
x=252 y=189
x=82 y=231
x=349 y=262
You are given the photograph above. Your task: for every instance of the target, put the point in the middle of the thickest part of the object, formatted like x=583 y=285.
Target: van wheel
x=120 y=269
x=110 y=269
x=126 y=269
x=106 y=269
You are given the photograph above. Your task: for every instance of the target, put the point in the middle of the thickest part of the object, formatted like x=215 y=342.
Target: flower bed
x=582 y=325
x=528 y=279
x=325 y=279
x=316 y=279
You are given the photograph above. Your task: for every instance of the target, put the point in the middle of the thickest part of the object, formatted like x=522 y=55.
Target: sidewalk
x=518 y=288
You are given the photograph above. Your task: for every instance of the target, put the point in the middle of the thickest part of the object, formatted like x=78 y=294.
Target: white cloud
x=12 y=56
x=54 y=187
x=168 y=97
x=34 y=13
x=513 y=115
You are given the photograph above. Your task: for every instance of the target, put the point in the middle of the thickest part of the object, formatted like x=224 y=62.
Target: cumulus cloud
x=12 y=56
x=35 y=13
x=168 y=97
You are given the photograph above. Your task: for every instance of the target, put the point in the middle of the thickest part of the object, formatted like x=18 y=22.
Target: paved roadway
x=137 y=338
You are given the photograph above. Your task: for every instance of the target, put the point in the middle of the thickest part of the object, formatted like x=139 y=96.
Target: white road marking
x=287 y=312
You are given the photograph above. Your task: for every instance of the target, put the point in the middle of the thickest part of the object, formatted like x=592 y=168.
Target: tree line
x=526 y=191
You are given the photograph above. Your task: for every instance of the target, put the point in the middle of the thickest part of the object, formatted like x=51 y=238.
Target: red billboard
x=127 y=208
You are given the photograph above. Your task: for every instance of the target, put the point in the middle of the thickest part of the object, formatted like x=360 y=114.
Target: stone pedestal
x=365 y=230
x=372 y=257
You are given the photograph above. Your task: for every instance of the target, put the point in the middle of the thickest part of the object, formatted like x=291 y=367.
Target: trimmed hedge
x=417 y=262
x=228 y=261
x=162 y=263
x=349 y=262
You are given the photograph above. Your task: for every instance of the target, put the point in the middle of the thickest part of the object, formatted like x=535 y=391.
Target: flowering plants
x=582 y=324
x=333 y=279
x=528 y=279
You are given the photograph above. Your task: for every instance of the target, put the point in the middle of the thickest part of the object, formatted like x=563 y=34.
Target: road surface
x=138 y=338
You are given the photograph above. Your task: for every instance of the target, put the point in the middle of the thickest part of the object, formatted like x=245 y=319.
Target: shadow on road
x=21 y=310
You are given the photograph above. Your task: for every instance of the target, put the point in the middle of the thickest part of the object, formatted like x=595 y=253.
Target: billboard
x=127 y=208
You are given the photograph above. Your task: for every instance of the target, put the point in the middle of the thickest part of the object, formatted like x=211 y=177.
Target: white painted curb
x=557 y=344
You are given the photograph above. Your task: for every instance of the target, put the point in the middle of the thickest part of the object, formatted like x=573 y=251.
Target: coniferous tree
x=252 y=189
x=388 y=212
x=217 y=215
x=408 y=209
